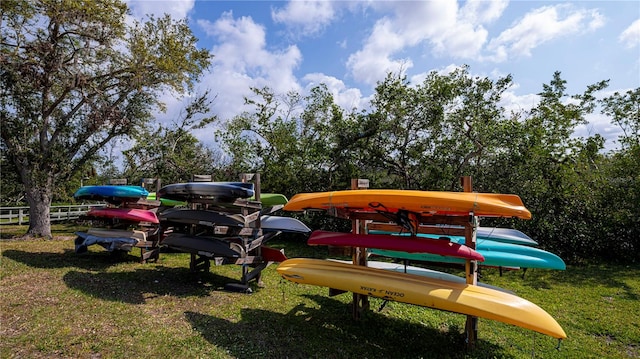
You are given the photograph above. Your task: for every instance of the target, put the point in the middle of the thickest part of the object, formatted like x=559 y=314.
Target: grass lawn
x=56 y=303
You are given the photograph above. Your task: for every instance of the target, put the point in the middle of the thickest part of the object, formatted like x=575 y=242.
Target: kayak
x=206 y=191
x=409 y=244
x=129 y=214
x=421 y=202
x=111 y=194
x=423 y=291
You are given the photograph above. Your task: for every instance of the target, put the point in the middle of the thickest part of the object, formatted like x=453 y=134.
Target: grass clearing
x=56 y=303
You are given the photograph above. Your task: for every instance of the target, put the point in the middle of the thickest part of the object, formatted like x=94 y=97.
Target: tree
x=297 y=143
x=620 y=195
x=428 y=135
x=173 y=154
x=74 y=76
x=552 y=170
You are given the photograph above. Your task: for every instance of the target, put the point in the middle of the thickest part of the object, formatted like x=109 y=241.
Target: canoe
x=111 y=244
x=202 y=217
x=111 y=194
x=409 y=244
x=497 y=254
x=128 y=214
x=422 y=202
x=424 y=272
x=202 y=245
x=284 y=224
x=206 y=191
x=165 y=201
x=423 y=291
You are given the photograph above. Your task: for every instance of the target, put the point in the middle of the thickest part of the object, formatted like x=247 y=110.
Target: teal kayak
x=111 y=194
x=498 y=254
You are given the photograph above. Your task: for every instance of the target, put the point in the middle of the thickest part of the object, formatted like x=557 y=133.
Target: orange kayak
x=422 y=202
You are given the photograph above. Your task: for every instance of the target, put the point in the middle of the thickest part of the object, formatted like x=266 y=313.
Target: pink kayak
x=129 y=214
x=442 y=247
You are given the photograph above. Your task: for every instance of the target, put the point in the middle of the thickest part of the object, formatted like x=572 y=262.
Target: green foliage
x=425 y=136
x=173 y=154
x=295 y=151
x=74 y=77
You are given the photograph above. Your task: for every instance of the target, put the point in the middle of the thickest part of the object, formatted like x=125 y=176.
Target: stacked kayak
x=128 y=216
x=223 y=221
x=413 y=211
x=495 y=253
x=111 y=194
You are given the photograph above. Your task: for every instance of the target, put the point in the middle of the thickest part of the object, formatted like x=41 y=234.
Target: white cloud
x=374 y=60
x=542 y=25
x=347 y=98
x=511 y=102
x=482 y=11
x=450 y=30
x=242 y=60
x=178 y=9
x=630 y=37
x=305 y=17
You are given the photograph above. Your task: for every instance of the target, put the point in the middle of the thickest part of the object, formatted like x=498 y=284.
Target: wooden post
x=359 y=255
x=471 y=266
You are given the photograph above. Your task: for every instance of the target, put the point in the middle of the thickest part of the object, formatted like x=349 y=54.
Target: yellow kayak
x=423 y=291
x=423 y=202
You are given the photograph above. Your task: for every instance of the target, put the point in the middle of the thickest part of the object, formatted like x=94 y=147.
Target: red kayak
x=442 y=247
x=128 y=214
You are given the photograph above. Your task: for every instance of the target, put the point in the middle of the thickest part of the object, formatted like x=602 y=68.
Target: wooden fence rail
x=20 y=215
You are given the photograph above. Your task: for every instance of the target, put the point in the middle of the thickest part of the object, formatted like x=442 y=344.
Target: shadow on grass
x=329 y=332
x=69 y=259
x=137 y=286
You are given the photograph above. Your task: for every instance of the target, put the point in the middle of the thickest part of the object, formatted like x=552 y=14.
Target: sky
x=352 y=45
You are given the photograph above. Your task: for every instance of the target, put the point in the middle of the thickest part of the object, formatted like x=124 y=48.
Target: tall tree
x=620 y=195
x=172 y=153
x=75 y=76
x=298 y=143
x=426 y=136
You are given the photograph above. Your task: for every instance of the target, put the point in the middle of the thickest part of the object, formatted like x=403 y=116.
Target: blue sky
x=349 y=45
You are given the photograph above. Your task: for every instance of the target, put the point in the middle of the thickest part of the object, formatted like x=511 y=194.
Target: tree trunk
x=39 y=200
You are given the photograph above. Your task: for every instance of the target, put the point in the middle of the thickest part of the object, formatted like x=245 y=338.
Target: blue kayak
x=498 y=254
x=110 y=193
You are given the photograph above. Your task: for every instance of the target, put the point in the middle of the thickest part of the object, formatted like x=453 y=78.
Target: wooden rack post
x=359 y=255
x=471 y=266
x=246 y=274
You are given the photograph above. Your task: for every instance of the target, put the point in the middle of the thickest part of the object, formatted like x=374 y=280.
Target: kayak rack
x=244 y=241
x=363 y=222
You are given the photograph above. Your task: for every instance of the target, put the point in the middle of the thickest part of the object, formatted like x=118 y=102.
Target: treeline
x=585 y=201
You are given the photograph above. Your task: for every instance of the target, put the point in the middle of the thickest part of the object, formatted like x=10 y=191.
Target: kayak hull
x=423 y=291
x=393 y=242
x=423 y=202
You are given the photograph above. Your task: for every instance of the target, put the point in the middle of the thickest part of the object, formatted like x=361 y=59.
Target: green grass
x=56 y=303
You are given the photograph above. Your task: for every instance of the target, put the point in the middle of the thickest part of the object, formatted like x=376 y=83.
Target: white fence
x=20 y=215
